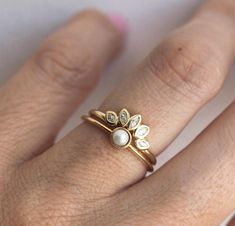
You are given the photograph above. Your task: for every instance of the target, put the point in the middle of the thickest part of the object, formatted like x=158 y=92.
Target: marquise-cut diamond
x=142 y=131
x=134 y=122
x=123 y=117
x=142 y=144
x=111 y=117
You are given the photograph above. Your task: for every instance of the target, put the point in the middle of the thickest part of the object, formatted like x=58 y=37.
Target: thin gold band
x=146 y=159
x=97 y=123
x=150 y=156
x=98 y=114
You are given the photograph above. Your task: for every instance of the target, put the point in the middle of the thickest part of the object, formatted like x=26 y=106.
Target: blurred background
x=25 y=23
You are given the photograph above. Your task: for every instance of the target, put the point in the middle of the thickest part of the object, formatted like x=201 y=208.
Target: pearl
x=120 y=137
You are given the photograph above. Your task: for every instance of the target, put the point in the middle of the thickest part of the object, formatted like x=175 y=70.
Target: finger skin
x=196 y=187
x=73 y=191
x=35 y=104
x=168 y=88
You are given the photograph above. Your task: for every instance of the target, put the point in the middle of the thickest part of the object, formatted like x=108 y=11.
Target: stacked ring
x=126 y=131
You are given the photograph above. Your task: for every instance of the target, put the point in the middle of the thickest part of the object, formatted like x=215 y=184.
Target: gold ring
x=125 y=131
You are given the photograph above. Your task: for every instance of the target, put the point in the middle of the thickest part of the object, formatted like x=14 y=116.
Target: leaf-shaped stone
x=142 y=144
x=111 y=117
x=124 y=116
x=142 y=131
x=134 y=122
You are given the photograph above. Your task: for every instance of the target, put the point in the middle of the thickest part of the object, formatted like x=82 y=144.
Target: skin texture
x=78 y=182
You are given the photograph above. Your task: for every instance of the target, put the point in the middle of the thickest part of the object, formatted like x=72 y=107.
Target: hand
x=82 y=180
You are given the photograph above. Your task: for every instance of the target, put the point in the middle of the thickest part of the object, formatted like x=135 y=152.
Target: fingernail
x=119 y=22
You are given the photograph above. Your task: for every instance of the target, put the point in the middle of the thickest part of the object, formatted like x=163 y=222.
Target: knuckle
x=60 y=62
x=187 y=68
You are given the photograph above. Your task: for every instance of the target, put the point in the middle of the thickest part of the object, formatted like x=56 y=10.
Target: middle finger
x=167 y=89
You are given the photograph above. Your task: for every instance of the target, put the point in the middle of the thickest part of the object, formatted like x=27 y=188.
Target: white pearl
x=120 y=137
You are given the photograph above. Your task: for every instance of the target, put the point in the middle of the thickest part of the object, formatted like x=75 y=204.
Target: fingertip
x=119 y=21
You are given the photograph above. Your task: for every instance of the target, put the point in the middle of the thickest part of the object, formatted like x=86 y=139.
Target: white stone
x=111 y=117
x=142 y=131
x=120 y=137
x=123 y=117
x=142 y=144
x=134 y=122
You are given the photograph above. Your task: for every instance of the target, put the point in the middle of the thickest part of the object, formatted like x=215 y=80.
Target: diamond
x=142 y=131
x=111 y=117
x=134 y=122
x=142 y=144
x=124 y=117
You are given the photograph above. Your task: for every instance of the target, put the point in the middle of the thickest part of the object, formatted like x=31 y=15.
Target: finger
x=232 y=222
x=38 y=100
x=197 y=186
x=170 y=86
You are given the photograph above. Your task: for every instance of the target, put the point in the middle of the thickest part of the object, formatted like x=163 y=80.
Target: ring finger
x=167 y=89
